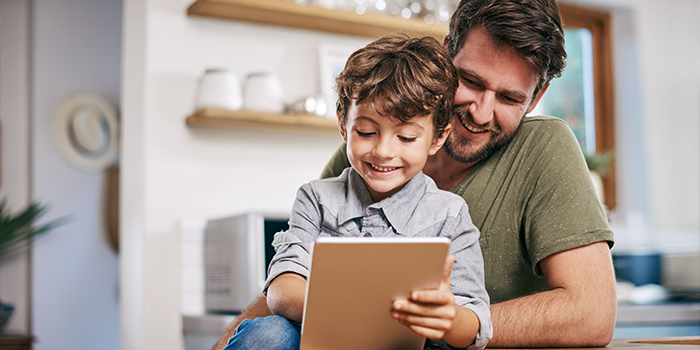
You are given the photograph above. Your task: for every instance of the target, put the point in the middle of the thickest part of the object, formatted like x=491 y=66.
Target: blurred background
x=127 y=264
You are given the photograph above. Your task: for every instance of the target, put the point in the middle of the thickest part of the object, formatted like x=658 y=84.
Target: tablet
x=352 y=284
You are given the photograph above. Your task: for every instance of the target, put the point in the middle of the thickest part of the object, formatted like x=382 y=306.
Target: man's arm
x=286 y=298
x=258 y=308
x=578 y=310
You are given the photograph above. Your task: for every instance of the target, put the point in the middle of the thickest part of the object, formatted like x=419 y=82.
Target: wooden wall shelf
x=314 y=18
x=219 y=118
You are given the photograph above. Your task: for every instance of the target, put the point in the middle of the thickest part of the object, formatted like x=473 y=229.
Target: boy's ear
x=343 y=132
x=439 y=141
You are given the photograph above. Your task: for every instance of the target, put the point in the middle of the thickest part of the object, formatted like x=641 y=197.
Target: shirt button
x=368 y=234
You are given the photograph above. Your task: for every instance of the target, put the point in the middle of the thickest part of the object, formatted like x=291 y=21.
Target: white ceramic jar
x=219 y=88
x=263 y=93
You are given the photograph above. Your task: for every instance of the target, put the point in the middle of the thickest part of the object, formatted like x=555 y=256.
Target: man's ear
x=439 y=141
x=343 y=132
x=445 y=39
x=537 y=98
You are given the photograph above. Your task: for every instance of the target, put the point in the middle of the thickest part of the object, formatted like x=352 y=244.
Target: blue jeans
x=269 y=333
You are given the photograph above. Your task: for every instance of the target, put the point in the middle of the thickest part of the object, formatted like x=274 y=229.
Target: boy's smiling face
x=386 y=152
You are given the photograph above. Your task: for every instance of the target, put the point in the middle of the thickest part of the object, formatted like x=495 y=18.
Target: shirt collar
x=397 y=208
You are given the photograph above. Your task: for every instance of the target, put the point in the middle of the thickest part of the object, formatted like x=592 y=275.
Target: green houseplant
x=598 y=164
x=17 y=230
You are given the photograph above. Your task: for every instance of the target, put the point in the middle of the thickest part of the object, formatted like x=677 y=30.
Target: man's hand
x=434 y=314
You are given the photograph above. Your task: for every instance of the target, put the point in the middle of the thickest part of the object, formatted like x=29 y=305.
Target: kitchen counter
x=633 y=323
x=626 y=314
x=658 y=313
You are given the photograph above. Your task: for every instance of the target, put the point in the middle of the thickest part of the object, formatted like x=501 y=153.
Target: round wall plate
x=86 y=129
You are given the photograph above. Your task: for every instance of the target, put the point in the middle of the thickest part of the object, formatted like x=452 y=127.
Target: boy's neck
x=445 y=171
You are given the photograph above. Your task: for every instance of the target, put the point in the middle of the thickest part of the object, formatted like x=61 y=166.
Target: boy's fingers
x=427 y=327
x=427 y=332
x=431 y=296
x=441 y=310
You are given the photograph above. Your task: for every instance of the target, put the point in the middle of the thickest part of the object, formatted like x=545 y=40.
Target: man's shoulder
x=543 y=123
x=539 y=131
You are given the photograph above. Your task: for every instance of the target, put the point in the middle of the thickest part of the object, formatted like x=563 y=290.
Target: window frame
x=598 y=23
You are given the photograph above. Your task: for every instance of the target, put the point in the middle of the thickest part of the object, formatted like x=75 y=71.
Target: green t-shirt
x=530 y=199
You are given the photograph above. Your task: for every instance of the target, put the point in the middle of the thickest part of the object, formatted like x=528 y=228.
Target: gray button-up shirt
x=343 y=207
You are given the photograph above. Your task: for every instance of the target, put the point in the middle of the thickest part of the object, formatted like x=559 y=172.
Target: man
x=544 y=236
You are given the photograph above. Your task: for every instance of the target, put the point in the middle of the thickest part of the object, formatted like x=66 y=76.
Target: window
x=583 y=96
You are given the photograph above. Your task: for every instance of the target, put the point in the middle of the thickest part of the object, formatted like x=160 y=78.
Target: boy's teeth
x=378 y=168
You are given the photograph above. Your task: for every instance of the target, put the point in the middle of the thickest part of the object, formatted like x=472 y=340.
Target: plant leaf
x=17 y=230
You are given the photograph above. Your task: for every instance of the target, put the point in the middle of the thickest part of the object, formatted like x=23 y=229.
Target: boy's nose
x=385 y=148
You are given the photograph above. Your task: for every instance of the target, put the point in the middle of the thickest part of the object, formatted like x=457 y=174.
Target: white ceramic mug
x=263 y=93
x=219 y=88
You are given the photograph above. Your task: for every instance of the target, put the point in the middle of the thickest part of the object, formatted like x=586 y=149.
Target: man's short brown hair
x=533 y=28
x=402 y=77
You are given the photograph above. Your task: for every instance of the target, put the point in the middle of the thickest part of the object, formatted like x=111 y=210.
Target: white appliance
x=237 y=251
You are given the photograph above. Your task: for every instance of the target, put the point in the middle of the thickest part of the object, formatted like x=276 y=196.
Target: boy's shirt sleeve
x=293 y=247
x=468 y=275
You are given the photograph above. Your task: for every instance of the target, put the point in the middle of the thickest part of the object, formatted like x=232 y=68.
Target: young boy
x=395 y=103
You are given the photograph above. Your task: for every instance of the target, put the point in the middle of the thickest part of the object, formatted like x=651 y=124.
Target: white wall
x=656 y=48
x=172 y=172
x=52 y=49
x=76 y=48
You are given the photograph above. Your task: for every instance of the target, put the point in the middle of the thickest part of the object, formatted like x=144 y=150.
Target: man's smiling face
x=495 y=92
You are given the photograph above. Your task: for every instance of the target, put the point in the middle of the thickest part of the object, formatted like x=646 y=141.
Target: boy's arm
x=435 y=315
x=285 y=296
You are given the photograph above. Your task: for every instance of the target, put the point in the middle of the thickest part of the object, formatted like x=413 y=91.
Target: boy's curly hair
x=401 y=77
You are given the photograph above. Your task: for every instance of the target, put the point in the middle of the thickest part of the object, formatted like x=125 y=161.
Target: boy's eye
x=364 y=134
x=407 y=139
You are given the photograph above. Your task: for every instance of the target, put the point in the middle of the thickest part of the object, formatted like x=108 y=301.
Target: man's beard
x=457 y=145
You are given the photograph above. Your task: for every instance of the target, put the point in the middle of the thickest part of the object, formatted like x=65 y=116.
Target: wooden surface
x=314 y=18
x=15 y=342
x=219 y=118
x=669 y=343
x=691 y=341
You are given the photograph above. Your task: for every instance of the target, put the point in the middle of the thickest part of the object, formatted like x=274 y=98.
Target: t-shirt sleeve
x=562 y=210
x=337 y=164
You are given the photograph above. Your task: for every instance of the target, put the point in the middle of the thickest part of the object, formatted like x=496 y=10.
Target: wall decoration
x=86 y=131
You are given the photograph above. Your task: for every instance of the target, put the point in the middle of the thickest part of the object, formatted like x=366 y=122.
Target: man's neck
x=445 y=171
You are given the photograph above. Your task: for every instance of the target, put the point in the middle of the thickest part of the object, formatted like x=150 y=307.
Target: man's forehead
x=492 y=60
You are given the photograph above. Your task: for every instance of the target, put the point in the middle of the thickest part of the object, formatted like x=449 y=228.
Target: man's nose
x=483 y=106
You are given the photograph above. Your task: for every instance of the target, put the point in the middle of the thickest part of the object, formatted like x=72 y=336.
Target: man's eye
x=407 y=139
x=470 y=83
x=510 y=100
